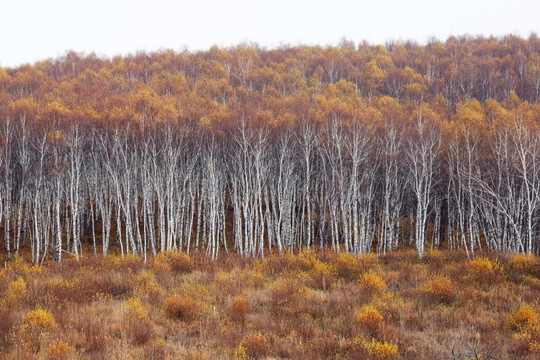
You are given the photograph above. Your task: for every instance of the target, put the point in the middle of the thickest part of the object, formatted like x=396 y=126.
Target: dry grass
x=306 y=306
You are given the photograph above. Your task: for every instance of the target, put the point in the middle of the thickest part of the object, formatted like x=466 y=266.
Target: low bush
x=34 y=326
x=253 y=345
x=321 y=274
x=15 y=293
x=523 y=264
x=435 y=259
x=485 y=271
x=40 y=318
x=184 y=309
x=526 y=326
x=360 y=348
x=439 y=289
x=59 y=351
x=239 y=310
x=347 y=267
x=371 y=283
x=370 y=318
x=521 y=317
x=285 y=296
x=176 y=262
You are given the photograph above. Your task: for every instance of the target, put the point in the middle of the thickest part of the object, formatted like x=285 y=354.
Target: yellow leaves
x=347 y=266
x=150 y=107
x=24 y=106
x=512 y=101
x=371 y=283
x=415 y=90
x=253 y=345
x=372 y=73
x=485 y=271
x=521 y=317
x=370 y=318
x=119 y=114
x=427 y=114
x=55 y=110
x=135 y=309
x=4 y=77
x=59 y=351
x=240 y=352
x=39 y=318
x=16 y=292
x=374 y=349
x=20 y=267
x=471 y=113
x=346 y=88
x=381 y=350
x=495 y=111
x=526 y=325
x=205 y=123
x=176 y=262
x=56 y=137
x=524 y=264
x=438 y=289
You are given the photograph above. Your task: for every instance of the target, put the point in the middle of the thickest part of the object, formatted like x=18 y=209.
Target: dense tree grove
x=351 y=148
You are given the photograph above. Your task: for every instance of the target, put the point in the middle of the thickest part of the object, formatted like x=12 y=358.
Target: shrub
x=40 y=318
x=485 y=271
x=521 y=317
x=370 y=318
x=180 y=308
x=439 y=289
x=528 y=338
x=131 y=262
x=525 y=323
x=321 y=274
x=59 y=351
x=240 y=352
x=381 y=350
x=285 y=296
x=148 y=288
x=140 y=332
x=371 y=283
x=276 y=263
x=34 y=325
x=434 y=258
x=135 y=308
x=360 y=348
x=16 y=292
x=20 y=267
x=174 y=261
x=239 y=310
x=523 y=264
x=347 y=266
x=254 y=345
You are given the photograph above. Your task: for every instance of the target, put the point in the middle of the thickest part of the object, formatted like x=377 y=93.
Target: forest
x=366 y=148
x=357 y=201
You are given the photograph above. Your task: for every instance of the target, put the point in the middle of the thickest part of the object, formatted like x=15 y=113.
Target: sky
x=34 y=30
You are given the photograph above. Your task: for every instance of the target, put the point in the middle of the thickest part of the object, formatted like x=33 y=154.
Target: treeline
x=353 y=148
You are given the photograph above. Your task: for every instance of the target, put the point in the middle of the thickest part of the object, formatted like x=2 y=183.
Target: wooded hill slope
x=354 y=148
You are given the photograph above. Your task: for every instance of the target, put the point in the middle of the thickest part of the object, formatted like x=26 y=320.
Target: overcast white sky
x=32 y=30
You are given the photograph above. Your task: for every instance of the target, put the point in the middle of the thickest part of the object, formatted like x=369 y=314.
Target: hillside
x=368 y=148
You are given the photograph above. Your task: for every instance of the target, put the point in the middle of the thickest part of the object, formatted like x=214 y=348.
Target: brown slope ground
x=307 y=306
